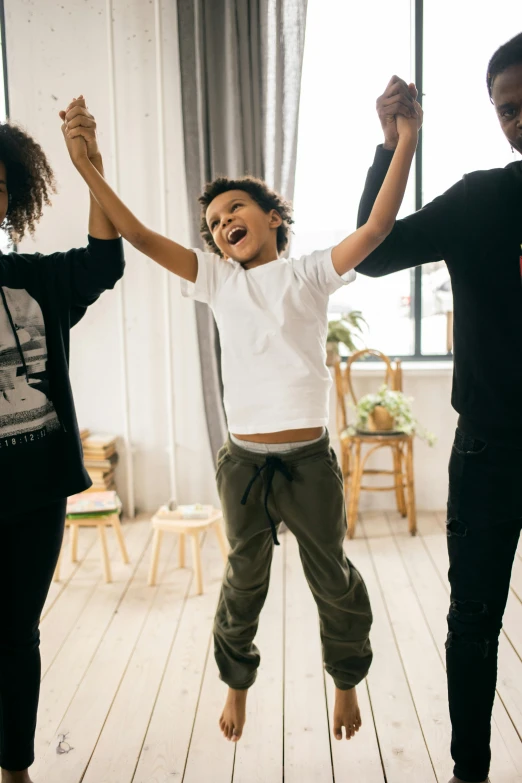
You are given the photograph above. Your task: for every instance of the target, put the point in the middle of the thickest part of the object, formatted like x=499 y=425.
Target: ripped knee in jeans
x=467 y=621
x=456 y=527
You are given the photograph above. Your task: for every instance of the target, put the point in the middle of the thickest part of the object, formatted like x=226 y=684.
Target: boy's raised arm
x=77 y=121
x=357 y=246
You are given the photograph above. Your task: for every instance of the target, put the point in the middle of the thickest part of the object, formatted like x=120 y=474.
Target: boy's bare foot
x=16 y=777
x=346 y=713
x=233 y=718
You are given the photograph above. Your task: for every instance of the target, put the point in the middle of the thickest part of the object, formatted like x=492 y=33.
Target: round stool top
x=173 y=520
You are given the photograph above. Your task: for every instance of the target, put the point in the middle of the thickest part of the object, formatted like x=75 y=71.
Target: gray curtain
x=241 y=63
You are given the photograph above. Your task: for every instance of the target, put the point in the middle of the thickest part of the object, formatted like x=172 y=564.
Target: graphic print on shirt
x=27 y=415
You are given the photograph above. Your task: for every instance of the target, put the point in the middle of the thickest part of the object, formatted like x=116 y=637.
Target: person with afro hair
x=41 y=297
x=476 y=228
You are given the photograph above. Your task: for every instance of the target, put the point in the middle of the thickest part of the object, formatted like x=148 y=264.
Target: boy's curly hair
x=30 y=180
x=259 y=191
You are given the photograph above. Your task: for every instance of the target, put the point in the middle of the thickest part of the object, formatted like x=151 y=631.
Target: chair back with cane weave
x=344 y=385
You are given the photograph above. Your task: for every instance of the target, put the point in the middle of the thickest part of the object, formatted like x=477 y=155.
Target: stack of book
x=100 y=457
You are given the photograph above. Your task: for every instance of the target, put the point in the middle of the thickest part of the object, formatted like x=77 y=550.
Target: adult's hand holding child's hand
x=79 y=131
x=398 y=99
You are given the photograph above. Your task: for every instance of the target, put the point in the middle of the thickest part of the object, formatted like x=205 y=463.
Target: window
x=351 y=50
x=455 y=58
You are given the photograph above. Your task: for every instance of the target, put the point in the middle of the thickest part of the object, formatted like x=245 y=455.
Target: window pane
x=461 y=132
x=437 y=309
x=348 y=61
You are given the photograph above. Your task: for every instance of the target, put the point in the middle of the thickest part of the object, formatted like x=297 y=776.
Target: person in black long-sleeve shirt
x=41 y=462
x=476 y=228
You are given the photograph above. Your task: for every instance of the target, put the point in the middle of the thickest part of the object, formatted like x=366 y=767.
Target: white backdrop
x=54 y=53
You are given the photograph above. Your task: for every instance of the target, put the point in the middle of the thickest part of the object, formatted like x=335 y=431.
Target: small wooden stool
x=101 y=521
x=165 y=521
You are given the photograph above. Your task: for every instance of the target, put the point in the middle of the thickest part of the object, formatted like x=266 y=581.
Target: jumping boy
x=277 y=463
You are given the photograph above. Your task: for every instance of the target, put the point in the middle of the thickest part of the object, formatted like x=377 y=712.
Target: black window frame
x=416 y=273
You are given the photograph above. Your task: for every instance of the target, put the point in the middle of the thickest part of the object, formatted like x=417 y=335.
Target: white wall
x=128 y=48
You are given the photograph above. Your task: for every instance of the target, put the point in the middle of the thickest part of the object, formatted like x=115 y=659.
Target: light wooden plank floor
x=130 y=691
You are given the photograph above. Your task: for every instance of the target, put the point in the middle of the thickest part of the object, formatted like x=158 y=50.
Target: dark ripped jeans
x=484 y=523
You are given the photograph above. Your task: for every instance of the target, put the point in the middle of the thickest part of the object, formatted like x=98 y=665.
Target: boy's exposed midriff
x=285 y=436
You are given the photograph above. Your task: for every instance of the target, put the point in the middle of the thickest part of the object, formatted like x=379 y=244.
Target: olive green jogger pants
x=304 y=489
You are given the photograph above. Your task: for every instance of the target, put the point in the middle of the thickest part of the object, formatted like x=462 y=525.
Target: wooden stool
x=101 y=522
x=165 y=522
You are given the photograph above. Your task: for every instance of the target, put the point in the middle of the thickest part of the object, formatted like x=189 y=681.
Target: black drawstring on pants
x=272 y=465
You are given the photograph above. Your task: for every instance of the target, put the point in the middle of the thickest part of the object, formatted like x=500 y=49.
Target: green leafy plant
x=347 y=330
x=399 y=408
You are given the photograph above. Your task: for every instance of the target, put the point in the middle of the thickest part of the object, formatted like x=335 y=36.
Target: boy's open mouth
x=236 y=235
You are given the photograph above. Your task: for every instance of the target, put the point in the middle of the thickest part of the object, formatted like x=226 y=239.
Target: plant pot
x=380 y=420
x=332 y=354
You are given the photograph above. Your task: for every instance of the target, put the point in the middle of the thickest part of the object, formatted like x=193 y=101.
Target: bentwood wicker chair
x=353 y=446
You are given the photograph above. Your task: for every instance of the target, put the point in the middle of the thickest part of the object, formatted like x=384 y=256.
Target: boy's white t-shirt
x=272 y=323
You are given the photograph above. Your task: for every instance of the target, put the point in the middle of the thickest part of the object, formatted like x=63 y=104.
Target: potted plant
x=344 y=330
x=389 y=411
